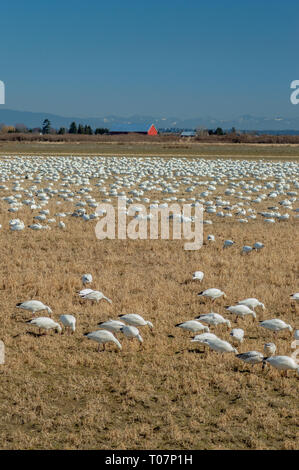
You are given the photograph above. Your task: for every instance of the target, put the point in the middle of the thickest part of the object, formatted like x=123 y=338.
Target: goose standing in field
x=228 y=243
x=134 y=319
x=284 y=363
x=269 y=349
x=252 y=303
x=69 y=322
x=94 y=295
x=103 y=337
x=212 y=293
x=258 y=246
x=295 y=297
x=241 y=311
x=251 y=357
x=219 y=345
x=237 y=335
x=86 y=279
x=198 y=276
x=45 y=323
x=213 y=319
x=34 y=306
x=276 y=325
x=246 y=249
x=201 y=338
x=193 y=325
x=112 y=325
x=211 y=238
x=131 y=332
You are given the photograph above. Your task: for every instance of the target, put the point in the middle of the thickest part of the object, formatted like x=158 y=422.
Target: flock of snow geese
x=34 y=182
x=128 y=325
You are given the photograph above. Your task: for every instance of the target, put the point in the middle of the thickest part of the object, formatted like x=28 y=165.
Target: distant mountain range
x=141 y=123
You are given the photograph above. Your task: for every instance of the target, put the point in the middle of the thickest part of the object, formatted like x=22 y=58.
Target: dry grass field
x=58 y=392
x=151 y=147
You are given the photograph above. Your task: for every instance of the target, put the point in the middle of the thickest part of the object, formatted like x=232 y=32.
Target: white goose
x=112 y=325
x=69 y=322
x=131 y=332
x=134 y=319
x=213 y=319
x=237 y=335
x=252 y=303
x=283 y=363
x=246 y=249
x=34 y=306
x=94 y=295
x=295 y=297
x=269 y=349
x=276 y=325
x=212 y=293
x=45 y=323
x=228 y=243
x=103 y=337
x=201 y=338
x=241 y=311
x=258 y=246
x=86 y=279
x=219 y=345
x=193 y=325
x=198 y=276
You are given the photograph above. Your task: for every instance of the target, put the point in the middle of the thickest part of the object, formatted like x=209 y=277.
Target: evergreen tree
x=73 y=128
x=81 y=129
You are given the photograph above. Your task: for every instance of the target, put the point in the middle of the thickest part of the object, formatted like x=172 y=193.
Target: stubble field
x=58 y=392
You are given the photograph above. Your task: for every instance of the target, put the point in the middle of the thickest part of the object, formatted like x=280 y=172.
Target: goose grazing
x=237 y=335
x=284 y=363
x=275 y=325
x=269 y=349
x=103 y=337
x=241 y=311
x=45 y=323
x=131 y=332
x=295 y=297
x=94 y=295
x=69 y=322
x=246 y=249
x=213 y=319
x=197 y=276
x=86 y=279
x=228 y=243
x=212 y=293
x=251 y=357
x=193 y=325
x=34 y=306
x=201 y=338
x=112 y=325
x=258 y=246
x=252 y=303
x=134 y=319
x=211 y=238
x=219 y=345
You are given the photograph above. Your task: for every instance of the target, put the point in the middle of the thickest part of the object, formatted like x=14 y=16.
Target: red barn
x=152 y=130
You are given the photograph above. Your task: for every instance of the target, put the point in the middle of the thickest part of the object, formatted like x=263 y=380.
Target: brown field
x=147 y=146
x=58 y=392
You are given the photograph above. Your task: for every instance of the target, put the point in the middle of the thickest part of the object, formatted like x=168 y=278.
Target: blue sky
x=219 y=58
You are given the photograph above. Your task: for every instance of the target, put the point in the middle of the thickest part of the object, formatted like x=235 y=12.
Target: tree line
x=46 y=128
